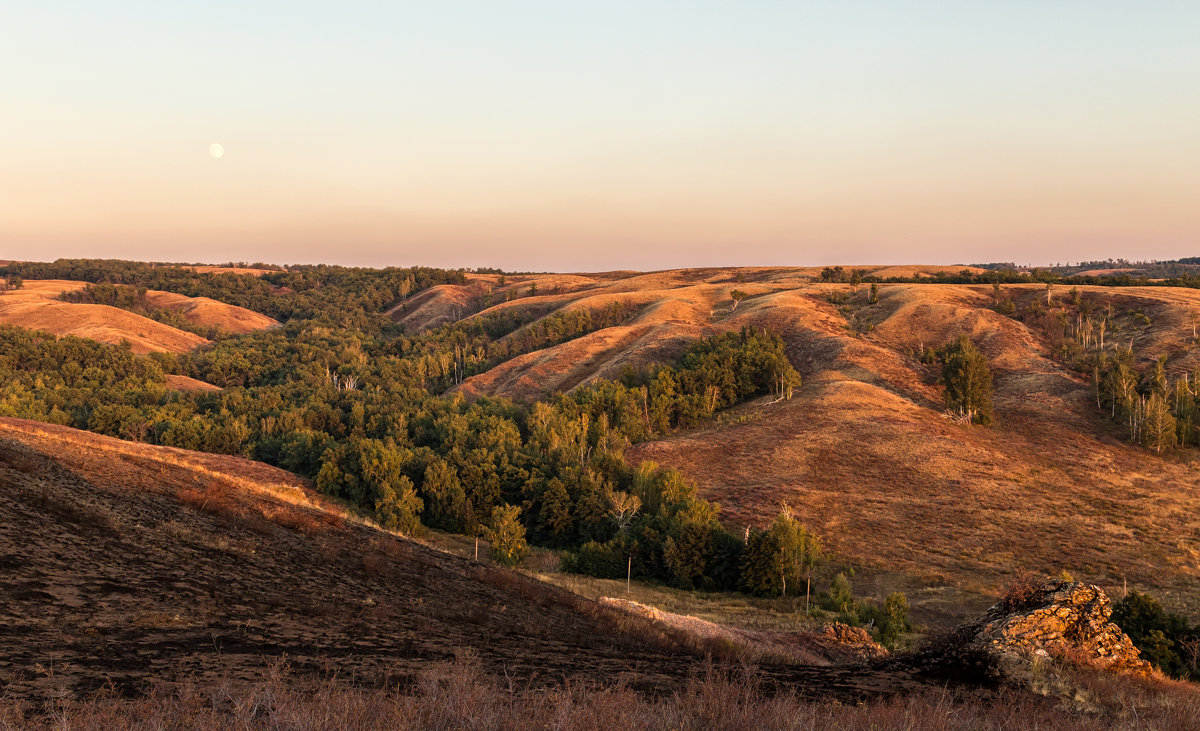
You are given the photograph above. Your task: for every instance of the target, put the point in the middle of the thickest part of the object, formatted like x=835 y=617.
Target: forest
x=340 y=395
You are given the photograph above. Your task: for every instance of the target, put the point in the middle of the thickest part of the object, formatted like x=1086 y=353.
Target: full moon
x=215 y=150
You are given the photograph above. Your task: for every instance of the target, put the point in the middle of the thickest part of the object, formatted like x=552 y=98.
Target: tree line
x=1182 y=275
x=358 y=413
x=1157 y=404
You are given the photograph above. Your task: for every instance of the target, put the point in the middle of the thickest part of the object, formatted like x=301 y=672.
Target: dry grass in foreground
x=458 y=696
x=153 y=565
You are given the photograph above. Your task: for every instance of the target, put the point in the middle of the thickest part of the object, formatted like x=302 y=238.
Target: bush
x=1020 y=594
x=1164 y=638
x=507 y=536
x=603 y=560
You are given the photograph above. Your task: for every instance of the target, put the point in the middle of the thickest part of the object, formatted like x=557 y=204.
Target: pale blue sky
x=569 y=136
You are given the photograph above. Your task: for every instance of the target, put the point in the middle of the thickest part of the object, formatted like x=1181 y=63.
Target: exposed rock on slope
x=1054 y=618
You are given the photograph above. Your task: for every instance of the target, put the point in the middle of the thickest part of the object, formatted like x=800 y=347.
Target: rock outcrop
x=843 y=641
x=1053 y=619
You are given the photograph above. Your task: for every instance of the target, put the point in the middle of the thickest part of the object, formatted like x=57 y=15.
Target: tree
x=895 y=610
x=841 y=594
x=398 y=507
x=1158 y=425
x=780 y=555
x=1164 y=638
x=833 y=274
x=555 y=515
x=873 y=297
x=737 y=296
x=967 y=381
x=507 y=535
x=445 y=499
x=622 y=506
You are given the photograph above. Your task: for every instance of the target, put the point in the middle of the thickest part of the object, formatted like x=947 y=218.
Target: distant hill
x=36 y=306
x=864 y=452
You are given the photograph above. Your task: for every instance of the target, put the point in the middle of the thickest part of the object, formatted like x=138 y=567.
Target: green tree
x=1158 y=425
x=780 y=556
x=895 y=611
x=398 y=508
x=737 y=296
x=1163 y=637
x=555 y=515
x=445 y=499
x=507 y=535
x=967 y=380
x=841 y=595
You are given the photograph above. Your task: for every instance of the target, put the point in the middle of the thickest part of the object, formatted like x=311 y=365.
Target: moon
x=215 y=150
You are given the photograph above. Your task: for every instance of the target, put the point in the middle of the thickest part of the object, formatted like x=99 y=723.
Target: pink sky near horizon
x=643 y=136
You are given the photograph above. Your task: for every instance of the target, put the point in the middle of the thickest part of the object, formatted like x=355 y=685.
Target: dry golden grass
x=864 y=452
x=128 y=611
x=35 y=306
x=434 y=306
x=253 y=564
x=208 y=269
x=207 y=312
x=186 y=383
x=1105 y=272
x=163 y=468
x=457 y=695
x=866 y=457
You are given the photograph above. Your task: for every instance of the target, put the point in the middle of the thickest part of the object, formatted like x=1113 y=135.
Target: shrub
x=507 y=535
x=1021 y=593
x=1164 y=638
x=967 y=380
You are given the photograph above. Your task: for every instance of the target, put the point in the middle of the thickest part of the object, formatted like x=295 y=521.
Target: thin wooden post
x=628 y=573
x=476 y=548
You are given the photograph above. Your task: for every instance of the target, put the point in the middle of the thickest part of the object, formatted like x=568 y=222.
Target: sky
x=560 y=135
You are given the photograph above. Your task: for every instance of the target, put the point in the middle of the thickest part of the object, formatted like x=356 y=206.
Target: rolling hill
x=125 y=564
x=865 y=453
x=36 y=306
x=127 y=569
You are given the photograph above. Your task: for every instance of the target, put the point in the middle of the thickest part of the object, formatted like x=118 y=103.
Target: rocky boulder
x=843 y=642
x=1053 y=618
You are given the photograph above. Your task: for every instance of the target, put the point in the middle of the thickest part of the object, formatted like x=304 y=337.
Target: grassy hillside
x=128 y=563
x=37 y=305
x=147 y=586
x=865 y=453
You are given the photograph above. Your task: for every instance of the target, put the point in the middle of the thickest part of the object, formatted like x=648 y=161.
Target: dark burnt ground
x=119 y=569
